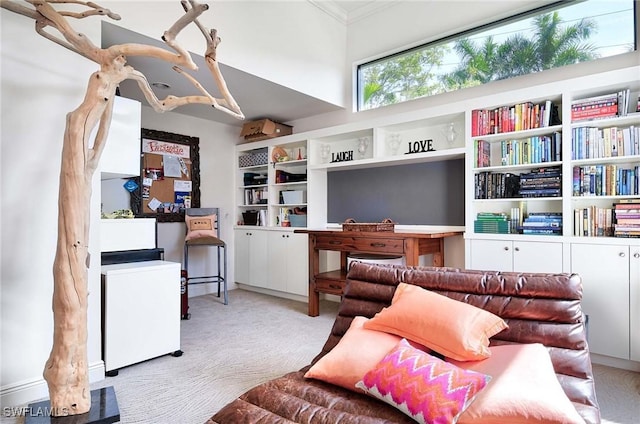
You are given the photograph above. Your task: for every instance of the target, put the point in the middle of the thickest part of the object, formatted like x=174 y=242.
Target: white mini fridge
x=140 y=312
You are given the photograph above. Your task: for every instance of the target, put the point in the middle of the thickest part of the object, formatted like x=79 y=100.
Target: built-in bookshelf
x=605 y=167
x=272 y=184
x=253 y=185
x=570 y=156
x=517 y=165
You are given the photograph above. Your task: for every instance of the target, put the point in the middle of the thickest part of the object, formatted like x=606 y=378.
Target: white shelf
x=440 y=155
x=515 y=135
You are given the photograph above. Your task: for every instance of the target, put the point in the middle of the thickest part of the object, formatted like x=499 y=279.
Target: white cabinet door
x=634 y=279
x=278 y=250
x=121 y=155
x=519 y=256
x=251 y=262
x=535 y=256
x=288 y=262
x=604 y=270
x=258 y=258
x=491 y=255
x=141 y=311
x=298 y=265
x=241 y=256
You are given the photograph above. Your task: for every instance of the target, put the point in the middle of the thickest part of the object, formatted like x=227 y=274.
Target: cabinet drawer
x=351 y=244
x=329 y=286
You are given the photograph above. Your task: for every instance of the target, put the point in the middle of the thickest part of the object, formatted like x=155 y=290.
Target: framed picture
x=169 y=178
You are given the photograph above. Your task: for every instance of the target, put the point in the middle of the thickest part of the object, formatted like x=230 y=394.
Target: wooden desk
x=410 y=245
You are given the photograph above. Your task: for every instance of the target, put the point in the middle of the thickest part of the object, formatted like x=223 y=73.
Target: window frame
x=358 y=75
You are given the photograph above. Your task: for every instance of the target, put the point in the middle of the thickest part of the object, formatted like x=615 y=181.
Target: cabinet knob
x=636 y=255
x=621 y=254
x=505 y=248
x=517 y=249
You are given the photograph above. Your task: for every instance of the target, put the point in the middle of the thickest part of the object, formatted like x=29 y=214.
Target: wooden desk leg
x=314 y=302
x=438 y=257
x=412 y=253
x=314 y=269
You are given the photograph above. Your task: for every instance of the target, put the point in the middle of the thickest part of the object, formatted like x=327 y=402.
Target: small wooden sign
x=420 y=146
x=342 y=156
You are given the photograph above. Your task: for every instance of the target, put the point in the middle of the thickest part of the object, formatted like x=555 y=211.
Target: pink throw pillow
x=424 y=387
x=524 y=389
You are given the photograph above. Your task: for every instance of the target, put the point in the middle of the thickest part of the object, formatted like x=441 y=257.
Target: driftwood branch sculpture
x=66 y=370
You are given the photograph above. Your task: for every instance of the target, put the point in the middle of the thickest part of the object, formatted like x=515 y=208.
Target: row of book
x=539 y=182
x=627 y=219
x=492 y=223
x=593 y=221
x=496 y=185
x=622 y=220
x=537 y=149
x=542 y=223
x=606 y=180
x=535 y=223
x=521 y=116
x=590 y=142
x=255 y=196
x=602 y=106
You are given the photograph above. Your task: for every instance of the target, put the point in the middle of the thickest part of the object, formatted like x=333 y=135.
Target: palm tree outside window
x=562 y=34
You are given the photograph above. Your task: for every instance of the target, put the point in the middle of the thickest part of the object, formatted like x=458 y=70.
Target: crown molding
x=368 y=9
x=332 y=9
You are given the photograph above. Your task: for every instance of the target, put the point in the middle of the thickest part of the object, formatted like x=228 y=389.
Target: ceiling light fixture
x=162 y=85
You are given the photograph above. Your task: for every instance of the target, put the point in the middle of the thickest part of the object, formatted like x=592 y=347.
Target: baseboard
x=27 y=391
x=207 y=288
x=615 y=362
x=275 y=293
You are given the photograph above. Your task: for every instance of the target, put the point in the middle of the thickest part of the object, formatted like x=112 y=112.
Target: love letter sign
x=421 y=146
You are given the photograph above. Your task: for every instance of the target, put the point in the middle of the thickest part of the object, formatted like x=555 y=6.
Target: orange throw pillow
x=523 y=389
x=454 y=329
x=358 y=351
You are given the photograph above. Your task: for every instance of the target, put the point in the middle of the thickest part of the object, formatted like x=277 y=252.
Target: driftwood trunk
x=66 y=370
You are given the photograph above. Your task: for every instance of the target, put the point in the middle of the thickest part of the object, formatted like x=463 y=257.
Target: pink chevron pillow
x=426 y=388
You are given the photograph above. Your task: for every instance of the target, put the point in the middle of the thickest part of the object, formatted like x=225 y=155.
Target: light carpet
x=230 y=348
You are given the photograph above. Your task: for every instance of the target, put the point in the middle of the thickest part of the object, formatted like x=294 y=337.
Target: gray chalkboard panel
x=429 y=193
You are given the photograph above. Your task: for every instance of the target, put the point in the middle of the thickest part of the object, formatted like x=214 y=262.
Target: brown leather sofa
x=539 y=308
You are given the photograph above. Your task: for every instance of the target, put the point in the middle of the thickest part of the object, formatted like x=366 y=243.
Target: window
x=561 y=34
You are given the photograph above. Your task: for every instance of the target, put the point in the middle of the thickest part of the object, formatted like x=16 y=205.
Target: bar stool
x=203 y=230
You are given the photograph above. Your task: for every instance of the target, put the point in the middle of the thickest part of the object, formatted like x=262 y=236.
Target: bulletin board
x=169 y=179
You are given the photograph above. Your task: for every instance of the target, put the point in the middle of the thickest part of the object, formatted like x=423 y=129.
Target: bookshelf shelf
x=519 y=167
x=518 y=134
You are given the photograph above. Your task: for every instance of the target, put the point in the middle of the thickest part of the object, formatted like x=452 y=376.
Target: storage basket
x=298 y=220
x=351 y=225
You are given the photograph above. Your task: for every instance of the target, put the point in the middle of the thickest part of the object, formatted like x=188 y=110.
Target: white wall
x=291 y=43
x=406 y=24
x=40 y=83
